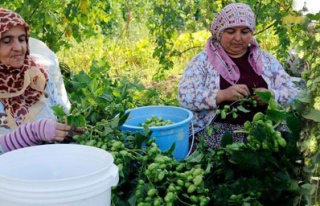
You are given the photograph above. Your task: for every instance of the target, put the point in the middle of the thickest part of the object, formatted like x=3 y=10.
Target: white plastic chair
x=45 y=56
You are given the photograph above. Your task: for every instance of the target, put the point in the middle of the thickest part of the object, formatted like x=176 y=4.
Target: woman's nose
x=16 y=45
x=237 y=36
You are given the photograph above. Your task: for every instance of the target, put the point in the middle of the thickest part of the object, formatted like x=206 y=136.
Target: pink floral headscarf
x=237 y=14
x=21 y=89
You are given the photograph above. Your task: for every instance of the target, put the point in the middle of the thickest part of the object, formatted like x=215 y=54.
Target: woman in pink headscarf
x=231 y=66
x=27 y=92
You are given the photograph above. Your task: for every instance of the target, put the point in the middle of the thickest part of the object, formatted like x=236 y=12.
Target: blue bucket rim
x=177 y=124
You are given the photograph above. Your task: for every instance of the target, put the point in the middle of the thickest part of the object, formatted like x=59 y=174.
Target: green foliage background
x=135 y=44
x=150 y=40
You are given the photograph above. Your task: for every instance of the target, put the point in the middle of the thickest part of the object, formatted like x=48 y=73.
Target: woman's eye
x=230 y=31
x=6 y=40
x=22 y=38
x=245 y=31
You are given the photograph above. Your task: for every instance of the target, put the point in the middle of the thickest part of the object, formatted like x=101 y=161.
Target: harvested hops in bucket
x=177 y=132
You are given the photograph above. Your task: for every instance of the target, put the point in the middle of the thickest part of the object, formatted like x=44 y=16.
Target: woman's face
x=13 y=47
x=235 y=40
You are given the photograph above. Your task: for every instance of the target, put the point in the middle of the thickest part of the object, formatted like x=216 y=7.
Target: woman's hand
x=233 y=93
x=64 y=131
x=61 y=131
x=257 y=98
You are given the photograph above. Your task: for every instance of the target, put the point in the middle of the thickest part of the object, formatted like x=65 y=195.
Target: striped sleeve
x=28 y=135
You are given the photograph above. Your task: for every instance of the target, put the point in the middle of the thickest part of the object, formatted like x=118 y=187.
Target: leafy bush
x=268 y=170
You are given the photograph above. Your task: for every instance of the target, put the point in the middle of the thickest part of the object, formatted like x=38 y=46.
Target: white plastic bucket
x=57 y=175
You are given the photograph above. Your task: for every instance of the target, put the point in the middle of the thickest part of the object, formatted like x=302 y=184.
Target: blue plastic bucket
x=167 y=135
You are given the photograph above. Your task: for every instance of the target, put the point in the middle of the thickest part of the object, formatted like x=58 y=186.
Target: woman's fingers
x=259 y=101
x=257 y=98
x=239 y=91
x=62 y=131
x=233 y=93
x=244 y=90
x=62 y=127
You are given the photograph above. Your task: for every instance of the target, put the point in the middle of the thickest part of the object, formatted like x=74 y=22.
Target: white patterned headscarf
x=233 y=15
x=237 y=14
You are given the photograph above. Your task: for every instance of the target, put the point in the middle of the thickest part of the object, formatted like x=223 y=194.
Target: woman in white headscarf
x=231 y=66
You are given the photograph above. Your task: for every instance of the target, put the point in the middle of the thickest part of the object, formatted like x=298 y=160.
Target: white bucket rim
x=21 y=150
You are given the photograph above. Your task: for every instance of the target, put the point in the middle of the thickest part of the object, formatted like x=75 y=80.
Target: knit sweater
x=198 y=87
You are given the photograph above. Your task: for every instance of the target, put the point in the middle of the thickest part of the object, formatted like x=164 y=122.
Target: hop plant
x=316 y=104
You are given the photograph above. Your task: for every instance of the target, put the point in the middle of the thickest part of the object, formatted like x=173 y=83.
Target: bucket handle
x=192 y=142
x=114 y=178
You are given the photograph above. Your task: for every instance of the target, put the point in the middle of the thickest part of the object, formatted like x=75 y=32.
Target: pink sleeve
x=29 y=135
